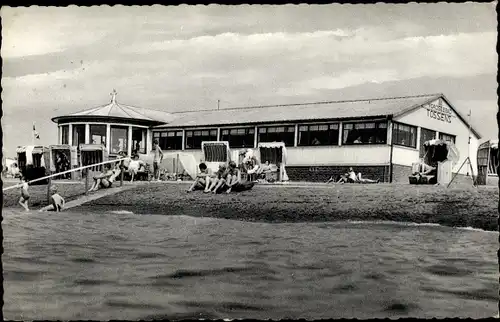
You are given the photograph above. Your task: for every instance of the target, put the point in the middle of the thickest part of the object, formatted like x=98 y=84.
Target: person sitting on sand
x=56 y=200
x=234 y=181
x=363 y=180
x=233 y=176
x=25 y=196
x=202 y=180
x=125 y=163
x=134 y=166
x=425 y=170
x=344 y=178
x=103 y=180
x=264 y=170
x=353 y=178
x=219 y=180
x=341 y=179
x=250 y=162
x=265 y=167
x=116 y=172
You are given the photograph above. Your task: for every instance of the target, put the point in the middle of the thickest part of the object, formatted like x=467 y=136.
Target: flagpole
x=33 y=134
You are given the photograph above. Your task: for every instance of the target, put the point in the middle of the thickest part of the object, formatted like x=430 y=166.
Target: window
x=138 y=140
x=98 y=134
x=365 y=132
x=65 y=134
x=169 y=140
x=239 y=138
x=447 y=137
x=285 y=134
x=78 y=134
x=195 y=137
x=119 y=139
x=405 y=135
x=318 y=134
x=425 y=135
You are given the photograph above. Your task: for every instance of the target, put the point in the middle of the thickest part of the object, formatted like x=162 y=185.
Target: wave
x=391 y=222
x=122 y=212
x=476 y=229
x=414 y=224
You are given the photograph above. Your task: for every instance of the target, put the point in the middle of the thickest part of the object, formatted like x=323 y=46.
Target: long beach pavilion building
x=379 y=137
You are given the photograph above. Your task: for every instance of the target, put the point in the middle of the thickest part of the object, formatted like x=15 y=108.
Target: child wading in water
x=25 y=196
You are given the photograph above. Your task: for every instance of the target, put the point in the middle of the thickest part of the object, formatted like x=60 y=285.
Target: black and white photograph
x=224 y=162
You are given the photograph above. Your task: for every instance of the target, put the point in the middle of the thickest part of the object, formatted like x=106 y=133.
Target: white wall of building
x=325 y=155
x=442 y=120
x=338 y=155
x=404 y=156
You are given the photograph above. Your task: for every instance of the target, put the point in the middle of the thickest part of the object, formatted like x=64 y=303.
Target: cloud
x=61 y=60
x=55 y=30
x=327 y=59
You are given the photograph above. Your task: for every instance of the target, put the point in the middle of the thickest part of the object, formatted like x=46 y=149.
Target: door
x=425 y=135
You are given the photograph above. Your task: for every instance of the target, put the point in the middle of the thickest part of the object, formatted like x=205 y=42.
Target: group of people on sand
x=226 y=179
x=133 y=166
x=351 y=177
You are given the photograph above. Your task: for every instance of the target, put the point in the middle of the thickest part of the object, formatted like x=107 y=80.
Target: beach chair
x=144 y=174
x=34 y=162
x=275 y=153
x=215 y=153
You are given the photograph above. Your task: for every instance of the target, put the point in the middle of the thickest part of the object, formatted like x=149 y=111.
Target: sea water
x=118 y=265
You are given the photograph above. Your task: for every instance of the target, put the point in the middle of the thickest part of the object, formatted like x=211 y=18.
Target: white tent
x=175 y=162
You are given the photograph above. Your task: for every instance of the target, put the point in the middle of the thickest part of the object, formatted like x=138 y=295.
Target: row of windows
x=315 y=134
x=406 y=135
x=118 y=137
x=308 y=135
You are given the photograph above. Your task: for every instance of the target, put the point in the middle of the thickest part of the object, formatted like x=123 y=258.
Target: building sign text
x=439 y=112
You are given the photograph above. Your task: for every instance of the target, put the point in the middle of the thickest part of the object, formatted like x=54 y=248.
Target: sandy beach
x=455 y=207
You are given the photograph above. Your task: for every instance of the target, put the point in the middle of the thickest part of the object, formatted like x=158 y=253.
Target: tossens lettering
x=440 y=113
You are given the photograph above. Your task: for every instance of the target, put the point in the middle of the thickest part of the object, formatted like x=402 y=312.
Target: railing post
x=121 y=176
x=49 y=181
x=86 y=181
x=177 y=167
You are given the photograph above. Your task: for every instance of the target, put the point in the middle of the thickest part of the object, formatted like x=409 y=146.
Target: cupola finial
x=113 y=96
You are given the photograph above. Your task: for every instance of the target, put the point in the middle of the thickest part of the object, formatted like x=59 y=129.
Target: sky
x=57 y=61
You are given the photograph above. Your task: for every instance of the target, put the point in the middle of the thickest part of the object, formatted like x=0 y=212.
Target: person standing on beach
x=25 y=196
x=157 y=158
